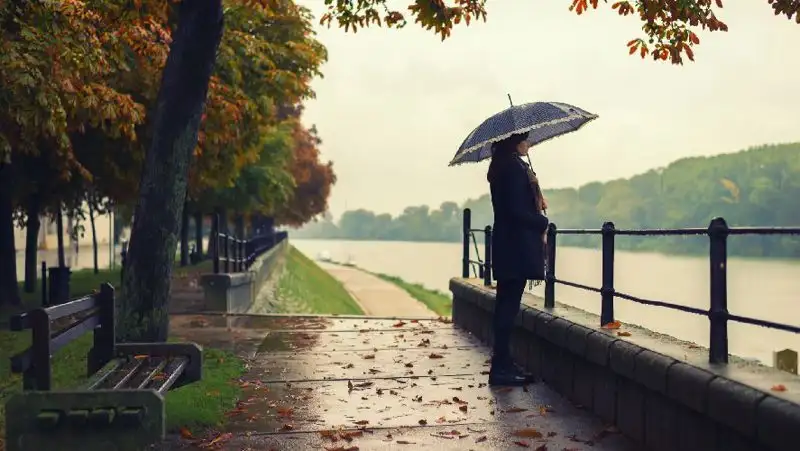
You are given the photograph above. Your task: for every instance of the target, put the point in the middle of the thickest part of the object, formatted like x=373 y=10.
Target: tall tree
x=146 y=284
x=313 y=180
x=669 y=26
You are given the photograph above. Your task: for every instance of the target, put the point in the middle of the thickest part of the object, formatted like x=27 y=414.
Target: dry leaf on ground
x=527 y=433
x=779 y=387
x=612 y=325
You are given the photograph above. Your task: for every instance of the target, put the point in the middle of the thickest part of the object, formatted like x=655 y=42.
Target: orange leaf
x=623 y=334
x=185 y=433
x=614 y=324
x=527 y=433
x=779 y=387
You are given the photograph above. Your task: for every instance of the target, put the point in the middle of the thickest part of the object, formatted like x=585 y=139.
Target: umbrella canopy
x=541 y=120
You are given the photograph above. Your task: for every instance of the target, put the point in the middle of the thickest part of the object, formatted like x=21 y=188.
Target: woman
x=517 y=246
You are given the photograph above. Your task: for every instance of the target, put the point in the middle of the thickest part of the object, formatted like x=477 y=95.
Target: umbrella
x=542 y=121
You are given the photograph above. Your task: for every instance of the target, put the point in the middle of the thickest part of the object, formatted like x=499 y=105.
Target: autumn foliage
x=80 y=83
x=669 y=25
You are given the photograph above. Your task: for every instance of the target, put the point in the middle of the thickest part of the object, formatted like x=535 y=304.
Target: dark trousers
x=508 y=300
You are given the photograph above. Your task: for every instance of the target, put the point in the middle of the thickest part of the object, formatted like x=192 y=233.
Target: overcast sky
x=394 y=105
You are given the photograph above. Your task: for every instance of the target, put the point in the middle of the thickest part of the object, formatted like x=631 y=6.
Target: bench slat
x=65 y=336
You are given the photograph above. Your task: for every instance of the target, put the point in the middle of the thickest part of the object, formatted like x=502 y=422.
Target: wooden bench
x=121 y=406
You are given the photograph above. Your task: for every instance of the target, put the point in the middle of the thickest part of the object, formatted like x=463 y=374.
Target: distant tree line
x=755 y=187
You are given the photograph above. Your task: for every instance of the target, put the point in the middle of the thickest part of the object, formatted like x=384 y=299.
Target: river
x=764 y=289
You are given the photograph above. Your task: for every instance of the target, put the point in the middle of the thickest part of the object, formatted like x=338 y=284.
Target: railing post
x=243 y=255
x=607 y=290
x=718 y=232
x=550 y=276
x=235 y=252
x=44 y=284
x=466 y=226
x=215 y=236
x=487 y=257
x=226 y=252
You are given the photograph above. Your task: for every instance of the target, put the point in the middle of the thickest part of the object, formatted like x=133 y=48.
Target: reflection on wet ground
x=355 y=384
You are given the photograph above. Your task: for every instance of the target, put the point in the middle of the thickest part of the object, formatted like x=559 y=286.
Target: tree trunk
x=60 y=237
x=32 y=227
x=143 y=305
x=198 y=234
x=185 y=235
x=239 y=223
x=94 y=237
x=9 y=290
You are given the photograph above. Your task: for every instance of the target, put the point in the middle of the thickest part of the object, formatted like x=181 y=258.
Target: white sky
x=394 y=105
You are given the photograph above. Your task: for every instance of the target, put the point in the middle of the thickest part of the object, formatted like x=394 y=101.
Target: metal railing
x=232 y=254
x=717 y=313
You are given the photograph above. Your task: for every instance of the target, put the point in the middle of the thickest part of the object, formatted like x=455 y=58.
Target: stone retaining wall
x=657 y=390
x=236 y=292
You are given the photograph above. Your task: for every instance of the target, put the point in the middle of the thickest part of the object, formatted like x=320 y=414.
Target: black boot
x=505 y=372
x=505 y=378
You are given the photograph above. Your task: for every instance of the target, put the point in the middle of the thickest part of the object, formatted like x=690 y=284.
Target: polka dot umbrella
x=542 y=121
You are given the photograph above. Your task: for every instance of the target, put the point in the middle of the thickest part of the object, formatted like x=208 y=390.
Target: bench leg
x=99 y=420
x=193 y=371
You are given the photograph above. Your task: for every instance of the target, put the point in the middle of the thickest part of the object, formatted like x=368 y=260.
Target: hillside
x=757 y=187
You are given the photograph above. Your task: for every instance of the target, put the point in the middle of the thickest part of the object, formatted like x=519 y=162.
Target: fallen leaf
x=435 y=356
x=423 y=422
x=399 y=324
x=779 y=387
x=216 y=441
x=185 y=433
x=623 y=334
x=612 y=325
x=463 y=408
x=527 y=433
x=480 y=439
x=361 y=422
x=404 y=442
x=369 y=356
x=522 y=444
x=342 y=448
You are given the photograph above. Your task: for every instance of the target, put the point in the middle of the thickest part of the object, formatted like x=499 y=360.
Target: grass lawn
x=434 y=299
x=196 y=405
x=304 y=281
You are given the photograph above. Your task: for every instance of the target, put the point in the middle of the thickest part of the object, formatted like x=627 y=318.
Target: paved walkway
x=370 y=384
x=376 y=296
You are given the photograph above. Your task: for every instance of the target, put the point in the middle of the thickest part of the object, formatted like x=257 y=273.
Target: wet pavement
x=363 y=384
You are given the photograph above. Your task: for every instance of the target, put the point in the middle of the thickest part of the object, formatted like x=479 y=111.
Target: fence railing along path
x=717 y=312
x=232 y=254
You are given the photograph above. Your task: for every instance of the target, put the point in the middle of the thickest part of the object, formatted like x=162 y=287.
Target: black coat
x=517 y=246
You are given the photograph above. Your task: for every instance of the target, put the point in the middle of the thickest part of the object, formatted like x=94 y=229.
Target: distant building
x=47 y=232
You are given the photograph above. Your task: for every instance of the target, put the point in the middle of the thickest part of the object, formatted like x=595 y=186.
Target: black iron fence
x=232 y=254
x=717 y=313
